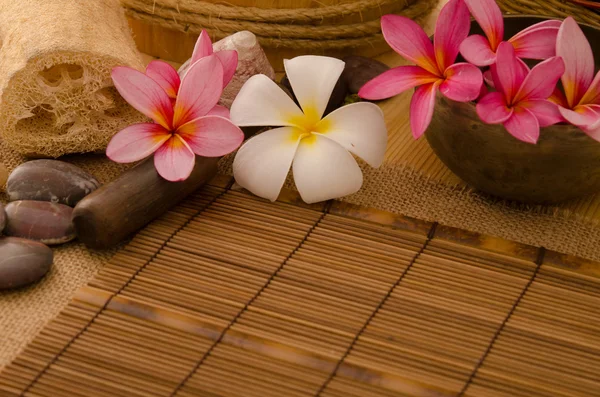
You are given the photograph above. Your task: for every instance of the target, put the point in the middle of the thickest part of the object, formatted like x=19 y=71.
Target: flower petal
x=203 y=47
x=536 y=43
x=593 y=131
x=462 y=83
x=408 y=39
x=136 y=142
x=558 y=97
x=492 y=109
x=312 y=79
x=484 y=91
x=540 y=83
x=451 y=29
x=261 y=102
x=489 y=17
x=144 y=94
x=394 y=81
x=508 y=72
x=229 y=60
x=574 y=48
x=551 y=23
x=201 y=88
x=524 y=68
x=165 y=75
x=211 y=136
x=595 y=125
x=489 y=80
x=360 y=129
x=174 y=161
x=324 y=170
x=581 y=116
x=523 y=125
x=263 y=162
x=592 y=95
x=476 y=50
x=545 y=111
x=421 y=108
x=219 y=110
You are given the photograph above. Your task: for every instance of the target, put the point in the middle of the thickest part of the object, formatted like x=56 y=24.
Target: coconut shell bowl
x=564 y=164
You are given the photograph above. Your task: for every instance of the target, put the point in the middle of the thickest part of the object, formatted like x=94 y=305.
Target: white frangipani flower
x=318 y=149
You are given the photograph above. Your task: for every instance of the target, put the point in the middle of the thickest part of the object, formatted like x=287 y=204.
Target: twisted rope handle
x=271 y=34
x=256 y=14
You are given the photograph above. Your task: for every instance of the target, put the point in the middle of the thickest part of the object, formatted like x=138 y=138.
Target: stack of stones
x=42 y=194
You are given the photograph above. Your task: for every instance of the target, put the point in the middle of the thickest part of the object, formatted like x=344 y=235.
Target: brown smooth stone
x=48 y=223
x=22 y=262
x=564 y=164
x=2 y=218
x=50 y=180
x=359 y=70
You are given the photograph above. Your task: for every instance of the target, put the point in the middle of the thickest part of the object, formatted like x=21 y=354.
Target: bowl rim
x=519 y=16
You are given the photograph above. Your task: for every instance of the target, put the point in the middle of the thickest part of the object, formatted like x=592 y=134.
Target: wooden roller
x=118 y=209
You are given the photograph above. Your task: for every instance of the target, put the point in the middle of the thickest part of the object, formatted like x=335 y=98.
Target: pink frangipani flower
x=435 y=68
x=228 y=58
x=520 y=103
x=181 y=130
x=580 y=104
x=168 y=78
x=535 y=42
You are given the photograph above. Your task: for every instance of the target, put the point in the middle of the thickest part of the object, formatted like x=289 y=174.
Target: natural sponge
x=56 y=93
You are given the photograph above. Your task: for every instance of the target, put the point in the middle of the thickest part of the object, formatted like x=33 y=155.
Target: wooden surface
x=229 y=295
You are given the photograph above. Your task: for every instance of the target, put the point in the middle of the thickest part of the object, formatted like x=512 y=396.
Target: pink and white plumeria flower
x=317 y=148
x=204 y=48
x=182 y=129
x=520 y=103
x=435 y=68
x=580 y=105
x=536 y=42
x=168 y=78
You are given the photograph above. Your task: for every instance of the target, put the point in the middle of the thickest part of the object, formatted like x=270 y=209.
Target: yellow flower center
x=307 y=124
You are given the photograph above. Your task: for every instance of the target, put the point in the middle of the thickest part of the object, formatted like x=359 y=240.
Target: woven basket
x=551 y=8
x=284 y=27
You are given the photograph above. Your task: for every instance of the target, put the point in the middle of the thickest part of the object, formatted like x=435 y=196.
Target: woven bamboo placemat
x=412 y=182
x=229 y=295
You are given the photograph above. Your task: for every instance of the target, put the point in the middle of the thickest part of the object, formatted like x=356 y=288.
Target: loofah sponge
x=56 y=92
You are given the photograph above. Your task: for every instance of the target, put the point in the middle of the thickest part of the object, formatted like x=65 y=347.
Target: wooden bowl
x=564 y=164
x=587 y=3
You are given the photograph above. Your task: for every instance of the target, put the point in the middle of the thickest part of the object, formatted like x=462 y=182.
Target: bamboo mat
x=229 y=295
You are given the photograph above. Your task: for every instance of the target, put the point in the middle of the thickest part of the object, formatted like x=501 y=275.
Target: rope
x=180 y=15
x=276 y=15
